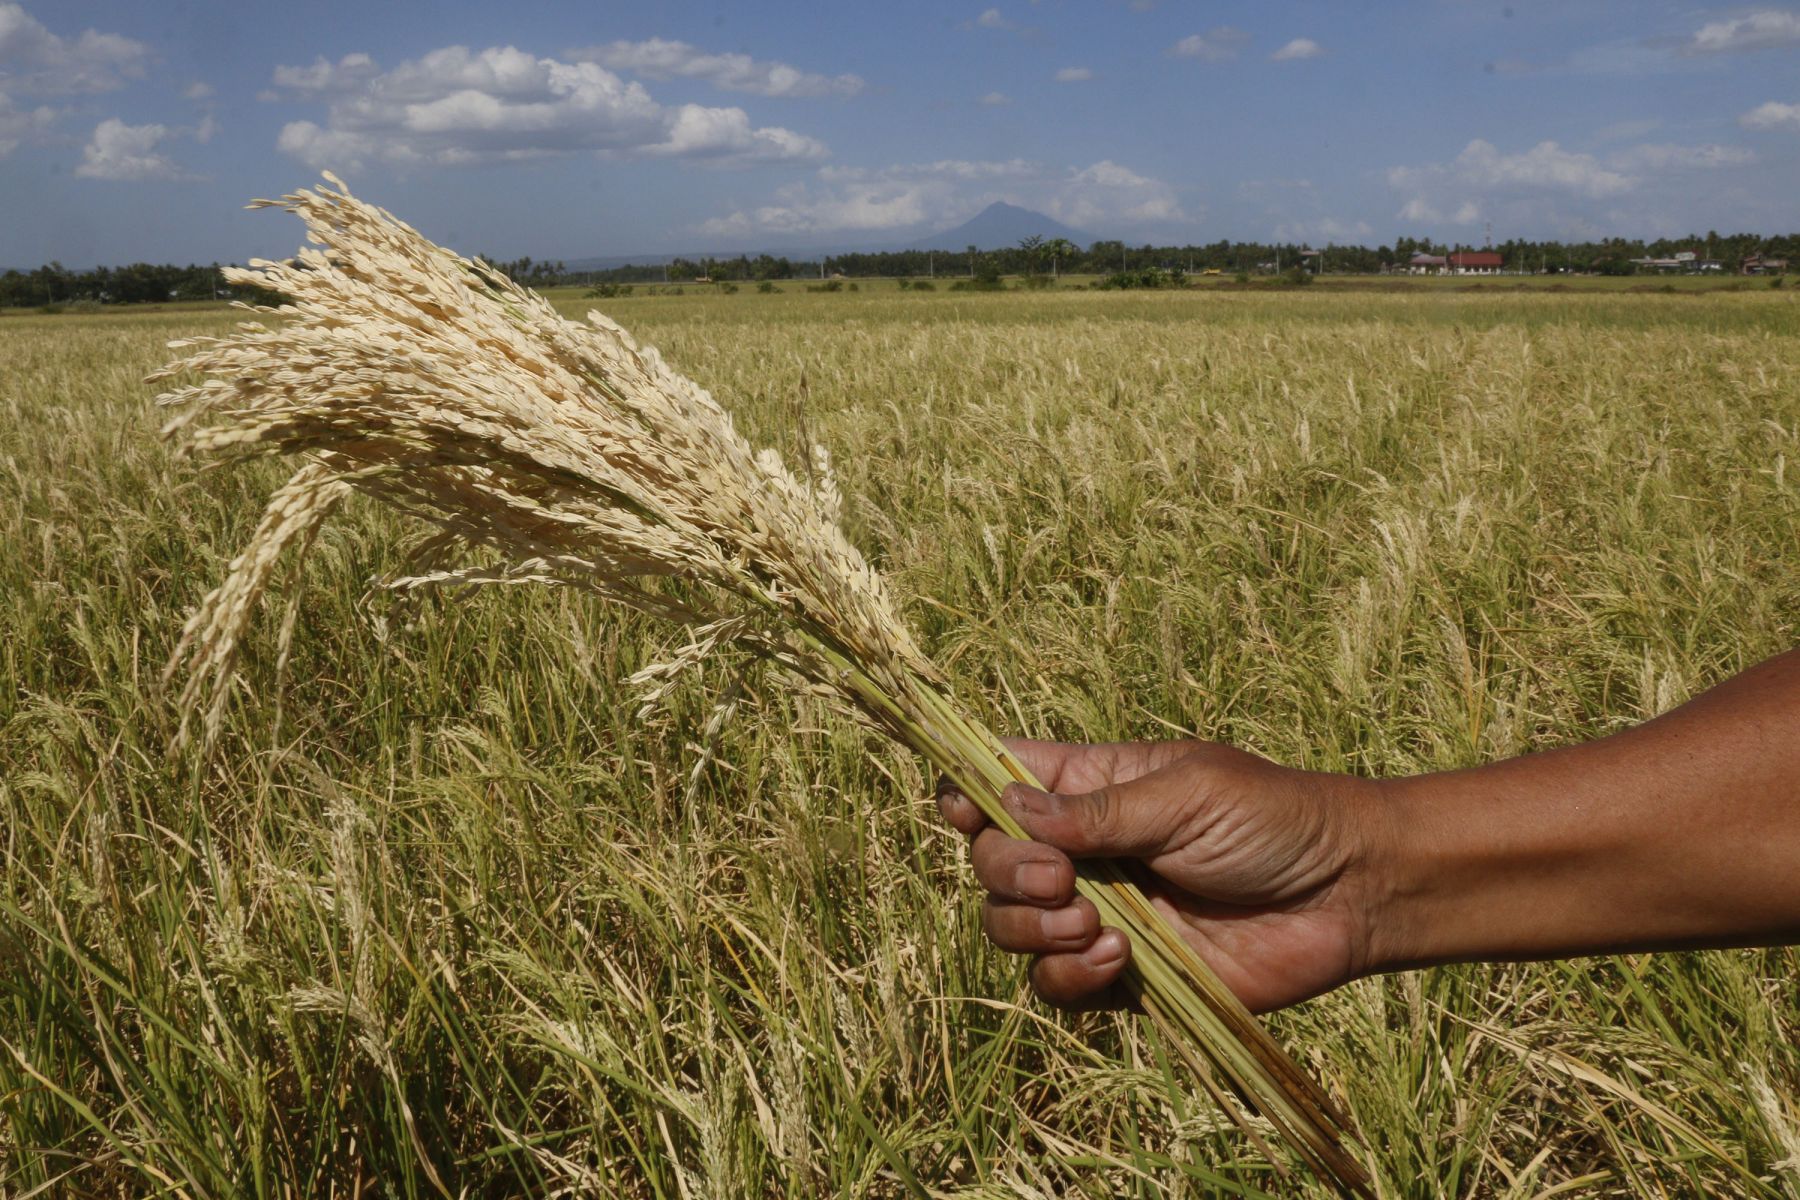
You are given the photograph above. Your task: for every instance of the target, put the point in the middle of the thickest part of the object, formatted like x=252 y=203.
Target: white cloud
x=1482 y=169
x=991 y=19
x=34 y=60
x=658 y=58
x=701 y=132
x=456 y=107
x=1536 y=184
x=1074 y=75
x=127 y=153
x=22 y=125
x=1420 y=209
x=995 y=100
x=206 y=130
x=1107 y=193
x=197 y=90
x=1215 y=45
x=350 y=71
x=861 y=206
x=1667 y=156
x=1763 y=29
x=942 y=193
x=1773 y=115
x=1297 y=49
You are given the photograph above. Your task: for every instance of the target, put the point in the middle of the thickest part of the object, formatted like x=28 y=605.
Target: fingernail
x=1037 y=879
x=1063 y=924
x=1107 y=949
x=1021 y=799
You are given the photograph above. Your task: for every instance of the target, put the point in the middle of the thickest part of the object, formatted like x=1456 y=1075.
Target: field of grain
x=438 y=915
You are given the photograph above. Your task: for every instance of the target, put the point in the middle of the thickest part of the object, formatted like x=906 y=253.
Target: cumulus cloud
x=1074 y=75
x=456 y=107
x=1215 y=45
x=1297 y=49
x=701 y=132
x=36 y=61
x=991 y=19
x=936 y=194
x=128 y=153
x=1485 y=181
x=1773 y=115
x=1443 y=192
x=197 y=90
x=658 y=58
x=1107 y=192
x=1763 y=29
x=995 y=100
x=22 y=125
x=1421 y=209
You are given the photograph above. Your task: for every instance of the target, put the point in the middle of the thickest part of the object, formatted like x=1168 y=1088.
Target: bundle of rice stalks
x=546 y=451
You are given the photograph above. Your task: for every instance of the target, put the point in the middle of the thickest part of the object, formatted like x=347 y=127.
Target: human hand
x=1265 y=870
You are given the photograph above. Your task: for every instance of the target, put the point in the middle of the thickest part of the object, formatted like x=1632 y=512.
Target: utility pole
x=931 y=264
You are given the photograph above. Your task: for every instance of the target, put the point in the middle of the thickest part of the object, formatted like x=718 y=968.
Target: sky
x=133 y=131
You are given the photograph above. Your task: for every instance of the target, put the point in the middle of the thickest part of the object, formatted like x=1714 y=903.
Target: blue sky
x=132 y=130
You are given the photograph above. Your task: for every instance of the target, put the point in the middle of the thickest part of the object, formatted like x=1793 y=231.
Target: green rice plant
x=543 y=451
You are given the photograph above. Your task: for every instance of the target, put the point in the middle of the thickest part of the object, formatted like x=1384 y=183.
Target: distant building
x=1427 y=264
x=1762 y=264
x=1682 y=262
x=1474 y=262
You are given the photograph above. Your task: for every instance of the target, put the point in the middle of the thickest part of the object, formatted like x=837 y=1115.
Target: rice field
x=439 y=915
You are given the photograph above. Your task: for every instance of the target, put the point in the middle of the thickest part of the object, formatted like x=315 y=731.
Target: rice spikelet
x=548 y=451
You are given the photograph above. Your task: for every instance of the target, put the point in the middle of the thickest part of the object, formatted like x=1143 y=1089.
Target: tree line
x=53 y=284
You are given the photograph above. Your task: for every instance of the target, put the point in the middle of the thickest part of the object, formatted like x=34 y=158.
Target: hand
x=1264 y=869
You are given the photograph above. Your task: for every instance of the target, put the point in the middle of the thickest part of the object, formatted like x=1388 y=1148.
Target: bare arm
x=1681 y=832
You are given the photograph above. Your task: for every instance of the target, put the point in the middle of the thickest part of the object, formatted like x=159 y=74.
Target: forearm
x=1681 y=832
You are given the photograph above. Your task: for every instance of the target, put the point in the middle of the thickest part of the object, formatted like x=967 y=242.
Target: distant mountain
x=998 y=226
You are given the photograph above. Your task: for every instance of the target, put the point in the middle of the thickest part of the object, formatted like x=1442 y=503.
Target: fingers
x=1022 y=872
x=1088 y=979
x=1136 y=819
x=1069 y=767
x=1045 y=760
x=1028 y=929
x=959 y=812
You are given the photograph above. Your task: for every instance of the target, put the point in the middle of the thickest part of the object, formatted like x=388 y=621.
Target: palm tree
x=1058 y=248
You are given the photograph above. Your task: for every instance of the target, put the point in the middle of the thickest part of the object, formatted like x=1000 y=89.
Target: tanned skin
x=1678 y=833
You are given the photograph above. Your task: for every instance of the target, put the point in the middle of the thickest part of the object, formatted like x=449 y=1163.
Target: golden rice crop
x=544 y=451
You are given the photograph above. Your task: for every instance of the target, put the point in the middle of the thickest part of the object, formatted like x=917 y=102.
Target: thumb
x=1134 y=819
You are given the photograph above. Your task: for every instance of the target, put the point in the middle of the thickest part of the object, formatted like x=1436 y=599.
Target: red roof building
x=1475 y=262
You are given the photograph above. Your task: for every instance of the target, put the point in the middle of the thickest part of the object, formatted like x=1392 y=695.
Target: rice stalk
x=550 y=452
